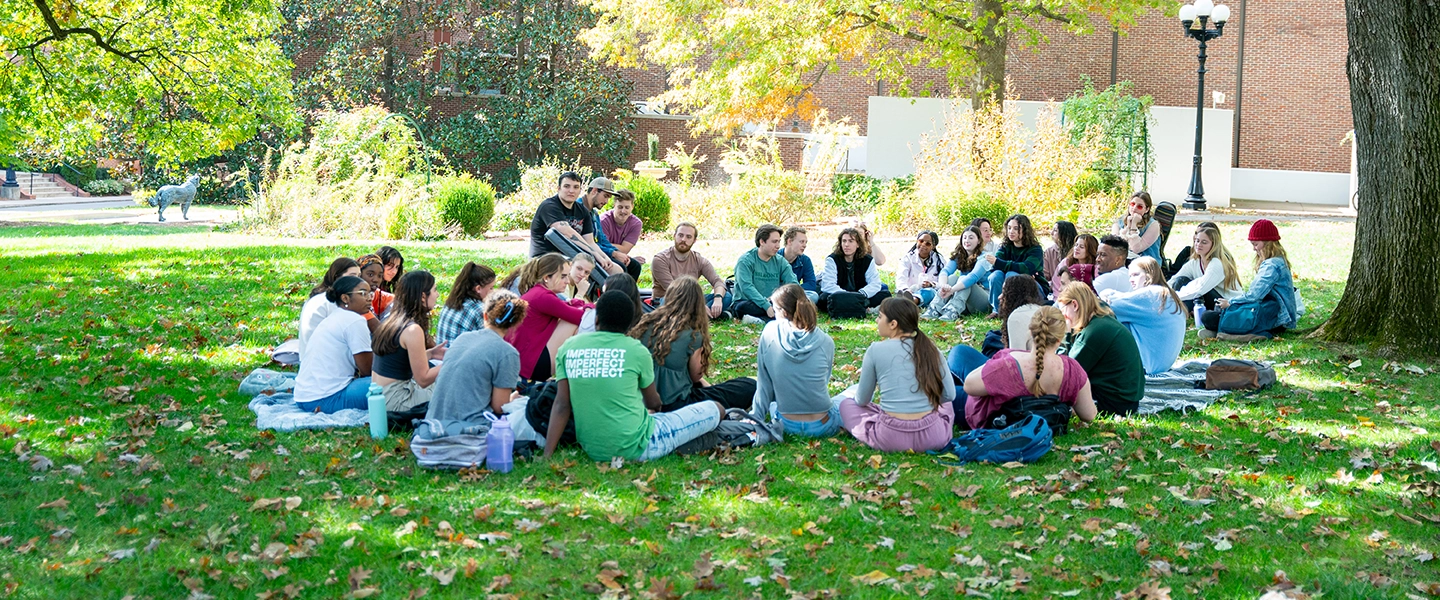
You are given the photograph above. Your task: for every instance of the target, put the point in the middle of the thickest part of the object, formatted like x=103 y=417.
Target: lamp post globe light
x=1205 y=12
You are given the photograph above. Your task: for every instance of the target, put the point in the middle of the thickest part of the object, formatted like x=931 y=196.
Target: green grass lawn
x=133 y=468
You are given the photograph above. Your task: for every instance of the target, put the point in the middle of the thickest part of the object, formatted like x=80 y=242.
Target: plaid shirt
x=455 y=322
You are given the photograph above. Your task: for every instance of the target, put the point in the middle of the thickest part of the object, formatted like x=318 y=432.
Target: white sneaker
x=949 y=314
x=752 y=320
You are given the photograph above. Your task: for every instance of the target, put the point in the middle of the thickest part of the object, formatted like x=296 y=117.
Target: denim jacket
x=1272 y=278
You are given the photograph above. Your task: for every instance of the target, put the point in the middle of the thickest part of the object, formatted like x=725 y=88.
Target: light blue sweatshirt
x=794 y=368
x=1157 y=323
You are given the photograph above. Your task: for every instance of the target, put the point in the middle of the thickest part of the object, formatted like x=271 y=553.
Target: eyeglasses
x=363 y=292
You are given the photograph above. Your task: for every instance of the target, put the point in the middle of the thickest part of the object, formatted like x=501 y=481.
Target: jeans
x=813 y=296
x=673 y=429
x=925 y=295
x=826 y=427
x=972 y=300
x=745 y=307
x=963 y=361
x=976 y=275
x=997 y=283
x=353 y=396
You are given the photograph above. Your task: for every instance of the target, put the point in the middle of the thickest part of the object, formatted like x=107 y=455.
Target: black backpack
x=1047 y=407
x=846 y=306
x=537 y=412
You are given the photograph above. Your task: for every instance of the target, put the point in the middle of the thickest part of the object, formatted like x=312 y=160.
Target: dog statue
x=170 y=194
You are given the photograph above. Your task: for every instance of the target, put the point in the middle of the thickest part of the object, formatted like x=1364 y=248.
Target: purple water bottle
x=499 y=445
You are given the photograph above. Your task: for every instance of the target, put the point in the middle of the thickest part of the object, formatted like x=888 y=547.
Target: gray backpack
x=740 y=429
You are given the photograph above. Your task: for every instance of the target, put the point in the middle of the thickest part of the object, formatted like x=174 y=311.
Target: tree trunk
x=991 y=43
x=1393 y=294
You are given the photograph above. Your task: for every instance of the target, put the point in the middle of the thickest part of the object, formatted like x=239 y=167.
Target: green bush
x=652 y=203
x=466 y=202
x=979 y=204
x=857 y=194
x=104 y=187
x=903 y=211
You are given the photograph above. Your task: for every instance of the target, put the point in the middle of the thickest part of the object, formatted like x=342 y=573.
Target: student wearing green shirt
x=1104 y=348
x=758 y=274
x=611 y=378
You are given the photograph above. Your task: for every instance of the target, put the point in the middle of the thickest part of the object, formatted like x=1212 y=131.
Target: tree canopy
x=183 y=79
x=731 y=63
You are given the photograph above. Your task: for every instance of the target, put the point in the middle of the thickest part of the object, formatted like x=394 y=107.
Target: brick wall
x=1296 y=103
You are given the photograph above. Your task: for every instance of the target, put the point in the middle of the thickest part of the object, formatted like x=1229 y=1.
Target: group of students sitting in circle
x=632 y=372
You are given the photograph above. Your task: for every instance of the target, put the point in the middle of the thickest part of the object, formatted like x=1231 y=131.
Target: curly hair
x=504 y=310
x=1047 y=330
x=684 y=310
x=1016 y=292
x=1027 y=232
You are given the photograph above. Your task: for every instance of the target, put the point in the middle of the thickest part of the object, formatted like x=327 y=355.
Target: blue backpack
x=1025 y=441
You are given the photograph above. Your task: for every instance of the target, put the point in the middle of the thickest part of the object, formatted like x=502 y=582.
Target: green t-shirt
x=1110 y=357
x=606 y=373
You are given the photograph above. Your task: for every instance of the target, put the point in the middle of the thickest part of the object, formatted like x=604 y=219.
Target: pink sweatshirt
x=545 y=312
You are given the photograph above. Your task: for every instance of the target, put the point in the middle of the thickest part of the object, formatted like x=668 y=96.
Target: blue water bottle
x=1199 y=311
x=499 y=445
x=379 y=420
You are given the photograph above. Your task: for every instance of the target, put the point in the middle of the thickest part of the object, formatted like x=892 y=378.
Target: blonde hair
x=1087 y=305
x=1047 y=329
x=1218 y=249
x=1272 y=249
x=1151 y=268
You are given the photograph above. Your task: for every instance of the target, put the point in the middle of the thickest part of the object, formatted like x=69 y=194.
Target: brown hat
x=603 y=184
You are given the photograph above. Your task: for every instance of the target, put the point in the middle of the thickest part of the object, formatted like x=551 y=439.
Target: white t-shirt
x=1118 y=280
x=1019 y=327
x=329 y=364
x=315 y=310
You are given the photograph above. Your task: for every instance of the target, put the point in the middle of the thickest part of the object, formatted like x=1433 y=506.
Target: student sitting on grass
x=465 y=305
x=1012 y=374
x=318 y=306
x=1021 y=254
x=372 y=270
x=956 y=300
x=626 y=284
x=757 y=275
x=850 y=270
x=394 y=266
x=580 y=286
x=920 y=269
x=607 y=380
x=678 y=338
x=481 y=368
x=1019 y=299
x=795 y=357
x=402 y=344
x=1104 y=348
x=623 y=229
x=335 y=374
x=550 y=320
x=1153 y=313
x=1063 y=233
x=1139 y=228
x=1208 y=273
x=1083 y=252
x=795 y=240
x=1270 y=306
x=916 y=389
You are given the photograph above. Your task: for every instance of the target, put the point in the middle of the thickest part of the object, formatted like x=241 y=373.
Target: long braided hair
x=1047 y=329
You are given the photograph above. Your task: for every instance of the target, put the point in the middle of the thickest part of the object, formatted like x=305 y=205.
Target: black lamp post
x=1206 y=11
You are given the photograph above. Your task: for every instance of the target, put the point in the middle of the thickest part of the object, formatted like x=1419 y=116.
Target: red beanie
x=1264 y=231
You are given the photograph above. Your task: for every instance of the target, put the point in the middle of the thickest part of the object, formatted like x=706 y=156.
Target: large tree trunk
x=1393 y=294
x=991 y=43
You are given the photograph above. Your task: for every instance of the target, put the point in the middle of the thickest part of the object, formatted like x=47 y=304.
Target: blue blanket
x=279 y=412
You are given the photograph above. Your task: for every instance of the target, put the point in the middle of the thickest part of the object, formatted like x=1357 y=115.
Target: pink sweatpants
x=883 y=432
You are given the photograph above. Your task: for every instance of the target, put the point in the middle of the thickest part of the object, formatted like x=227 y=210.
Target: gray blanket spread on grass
x=279 y=412
x=1175 y=389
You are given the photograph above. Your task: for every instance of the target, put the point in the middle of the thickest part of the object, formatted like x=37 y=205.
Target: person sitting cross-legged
x=1153 y=313
x=795 y=357
x=850 y=271
x=1270 y=306
x=757 y=274
x=1012 y=374
x=607 y=381
x=916 y=389
x=678 y=337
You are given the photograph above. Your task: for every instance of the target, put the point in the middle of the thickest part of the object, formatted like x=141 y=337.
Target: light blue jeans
x=826 y=428
x=353 y=396
x=813 y=296
x=673 y=429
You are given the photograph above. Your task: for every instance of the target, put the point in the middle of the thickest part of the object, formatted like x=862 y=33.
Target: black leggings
x=873 y=301
x=736 y=393
x=1208 y=299
x=542 y=370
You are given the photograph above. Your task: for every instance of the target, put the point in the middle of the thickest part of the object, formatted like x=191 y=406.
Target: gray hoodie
x=794 y=369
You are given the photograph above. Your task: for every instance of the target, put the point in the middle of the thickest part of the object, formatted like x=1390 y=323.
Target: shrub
x=856 y=194
x=467 y=203
x=359 y=176
x=104 y=187
x=652 y=202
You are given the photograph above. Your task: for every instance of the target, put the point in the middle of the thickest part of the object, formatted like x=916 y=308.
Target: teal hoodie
x=756 y=279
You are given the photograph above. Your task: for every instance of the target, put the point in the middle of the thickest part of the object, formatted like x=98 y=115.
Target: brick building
x=1291 y=113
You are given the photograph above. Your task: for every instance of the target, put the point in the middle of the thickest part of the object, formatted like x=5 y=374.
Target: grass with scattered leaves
x=131 y=466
